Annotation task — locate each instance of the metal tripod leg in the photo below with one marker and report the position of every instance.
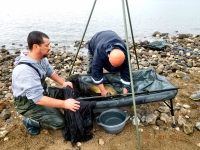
(82, 38)
(131, 77)
(127, 7)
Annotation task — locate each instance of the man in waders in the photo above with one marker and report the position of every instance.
(38, 104)
(107, 50)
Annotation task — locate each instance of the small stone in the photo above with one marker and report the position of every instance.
(177, 129)
(78, 144)
(3, 133)
(166, 117)
(159, 122)
(188, 128)
(186, 78)
(151, 118)
(197, 126)
(186, 106)
(192, 117)
(2, 106)
(186, 116)
(163, 119)
(9, 120)
(155, 127)
(178, 104)
(164, 109)
(5, 114)
(134, 120)
(181, 121)
(141, 130)
(101, 142)
(180, 74)
(5, 139)
(198, 144)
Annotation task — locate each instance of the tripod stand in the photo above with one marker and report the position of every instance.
(127, 45)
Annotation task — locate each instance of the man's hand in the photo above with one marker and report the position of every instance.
(71, 104)
(104, 93)
(60, 81)
(125, 91)
(102, 90)
(67, 84)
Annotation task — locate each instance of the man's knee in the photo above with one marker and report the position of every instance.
(53, 123)
(49, 118)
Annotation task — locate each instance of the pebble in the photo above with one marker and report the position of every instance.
(188, 128)
(78, 144)
(164, 109)
(177, 129)
(2, 106)
(186, 106)
(134, 121)
(141, 130)
(181, 121)
(198, 144)
(101, 142)
(159, 122)
(198, 126)
(5, 139)
(151, 118)
(155, 127)
(5, 114)
(3, 133)
(186, 78)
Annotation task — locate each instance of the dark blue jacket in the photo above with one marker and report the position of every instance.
(99, 46)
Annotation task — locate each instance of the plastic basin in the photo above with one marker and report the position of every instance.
(113, 120)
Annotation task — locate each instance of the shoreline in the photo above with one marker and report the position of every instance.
(69, 46)
(165, 61)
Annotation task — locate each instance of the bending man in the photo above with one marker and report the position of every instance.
(107, 50)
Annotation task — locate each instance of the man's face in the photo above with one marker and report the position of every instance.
(44, 48)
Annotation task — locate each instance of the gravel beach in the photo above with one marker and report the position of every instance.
(178, 62)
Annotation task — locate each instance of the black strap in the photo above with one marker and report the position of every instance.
(30, 66)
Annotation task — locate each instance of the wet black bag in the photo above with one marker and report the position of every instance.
(78, 124)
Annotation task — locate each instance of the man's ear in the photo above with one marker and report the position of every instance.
(108, 55)
(35, 46)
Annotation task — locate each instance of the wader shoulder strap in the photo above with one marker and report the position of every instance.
(30, 66)
(44, 84)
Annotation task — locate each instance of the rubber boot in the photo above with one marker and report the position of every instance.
(32, 126)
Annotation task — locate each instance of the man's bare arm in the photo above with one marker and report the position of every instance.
(70, 103)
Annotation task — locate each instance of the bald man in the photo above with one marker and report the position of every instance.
(107, 50)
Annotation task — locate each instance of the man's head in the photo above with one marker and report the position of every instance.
(116, 57)
(39, 41)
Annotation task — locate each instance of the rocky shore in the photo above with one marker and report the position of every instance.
(169, 62)
(164, 61)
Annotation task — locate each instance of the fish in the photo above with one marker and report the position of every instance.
(95, 89)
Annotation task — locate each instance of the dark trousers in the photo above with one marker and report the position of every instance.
(49, 118)
(89, 62)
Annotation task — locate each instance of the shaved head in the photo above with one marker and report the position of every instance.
(116, 57)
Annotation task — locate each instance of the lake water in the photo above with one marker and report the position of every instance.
(65, 20)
